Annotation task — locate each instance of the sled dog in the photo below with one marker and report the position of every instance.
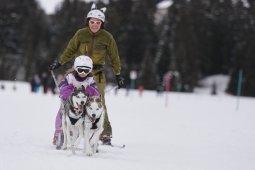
(73, 118)
(93, 124)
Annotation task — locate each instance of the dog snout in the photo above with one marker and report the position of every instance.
(93, 115)
(82, 102)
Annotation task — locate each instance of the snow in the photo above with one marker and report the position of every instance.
(246, 3)
(220, 81)
(194, 132)
(49, 5)
(164, 4)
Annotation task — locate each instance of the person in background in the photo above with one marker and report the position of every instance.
(97, 43)
(44, 82)
(35, 83)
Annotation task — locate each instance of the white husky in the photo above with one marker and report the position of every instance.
(73, 118)
(93, 124)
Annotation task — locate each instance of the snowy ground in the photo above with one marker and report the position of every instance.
(194, 132)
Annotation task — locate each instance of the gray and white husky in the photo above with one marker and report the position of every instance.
(93, 124)
(73, 117)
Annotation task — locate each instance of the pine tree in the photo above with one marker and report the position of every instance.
(22, 29)
(69, 17)
(135, 33)
(243, 51)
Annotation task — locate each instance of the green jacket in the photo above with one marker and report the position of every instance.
(97, 46)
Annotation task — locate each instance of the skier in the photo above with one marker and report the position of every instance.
(97, 43)
(78, 76)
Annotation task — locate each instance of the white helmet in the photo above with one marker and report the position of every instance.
(96, 13)
(83, 61)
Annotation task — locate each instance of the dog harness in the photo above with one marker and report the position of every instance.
(94, 121)
(73, 120)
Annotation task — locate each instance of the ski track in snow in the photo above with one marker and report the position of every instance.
(194, 132)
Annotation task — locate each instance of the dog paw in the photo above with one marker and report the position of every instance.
(95, 149)
(89, 153)
(58, 147)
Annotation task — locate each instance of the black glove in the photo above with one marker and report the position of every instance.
(120, 81)
(54, 65)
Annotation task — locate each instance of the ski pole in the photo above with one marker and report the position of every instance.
(112, 88)
(55, 80)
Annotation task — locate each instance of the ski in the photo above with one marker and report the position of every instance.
(114, 145)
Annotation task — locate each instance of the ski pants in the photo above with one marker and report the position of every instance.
(58, 121)
(101, 82)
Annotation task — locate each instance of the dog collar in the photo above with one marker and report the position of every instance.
(94, 121)
(94, 125)
(73, 120)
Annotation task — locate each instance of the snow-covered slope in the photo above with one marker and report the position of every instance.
(195, 132)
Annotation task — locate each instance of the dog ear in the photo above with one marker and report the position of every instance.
(88, 101)
(83, 88)
(98, 99)
(74, 90)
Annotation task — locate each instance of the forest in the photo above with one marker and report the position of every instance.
(192, 39)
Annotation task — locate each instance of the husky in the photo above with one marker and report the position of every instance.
(93, 124)
(73, 118)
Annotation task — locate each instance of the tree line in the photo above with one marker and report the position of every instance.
(196, 39)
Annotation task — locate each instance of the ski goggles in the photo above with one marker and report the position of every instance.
(95, 22)
(85, 70)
